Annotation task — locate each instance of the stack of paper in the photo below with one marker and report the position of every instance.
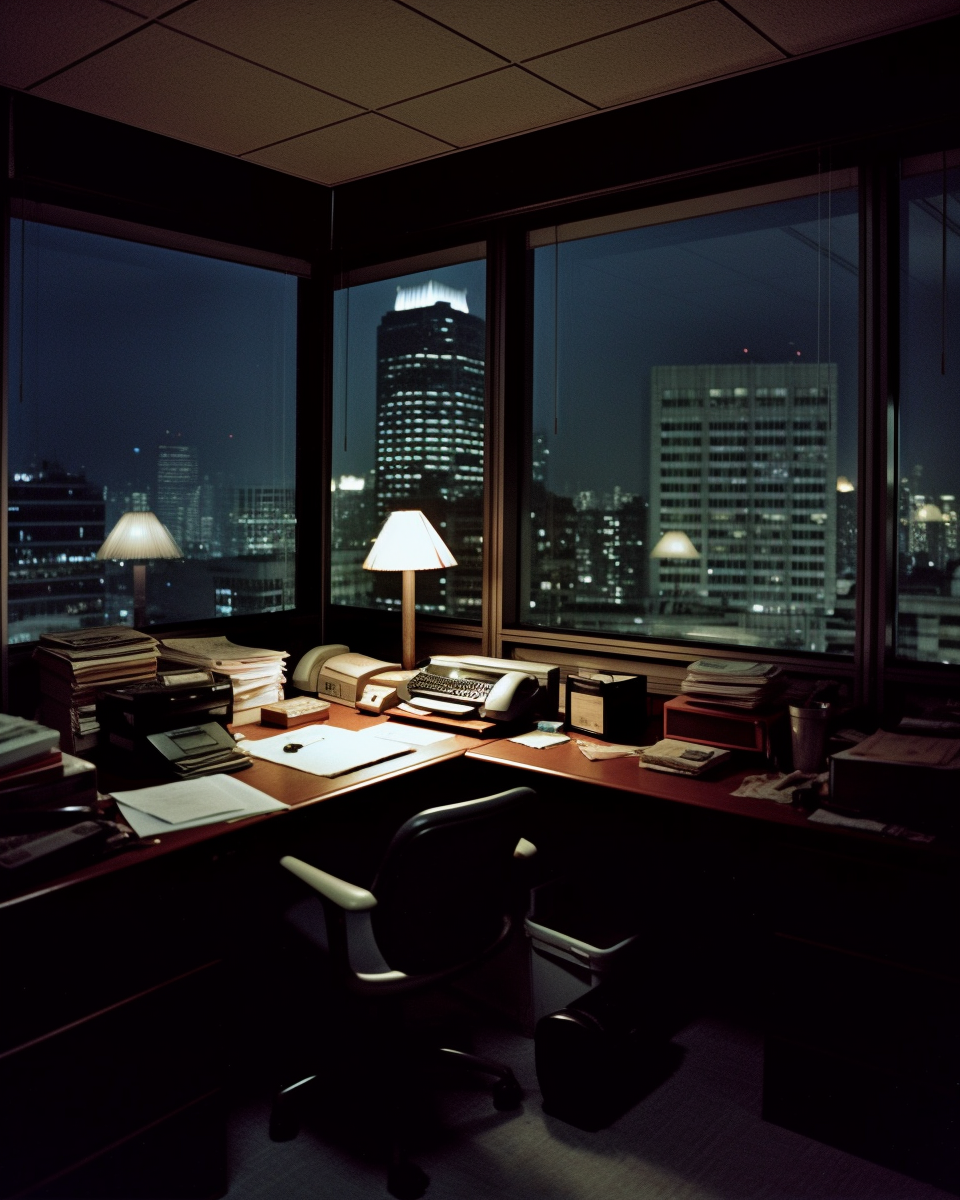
(726, 683)
(329, 751)
(191, 802)
(257, 675)
(76, 665)
(681, 758)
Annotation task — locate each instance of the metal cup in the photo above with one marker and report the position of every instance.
(808, 736)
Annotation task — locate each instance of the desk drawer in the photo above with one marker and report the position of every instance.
(81, 1089)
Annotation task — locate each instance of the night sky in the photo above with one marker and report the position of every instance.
(127, 346)
(691, 292)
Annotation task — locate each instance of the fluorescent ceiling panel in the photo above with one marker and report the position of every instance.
(360, 147)
(672, 52)
(371, 52)
(173, 85)
(519, 29)
(493, 106)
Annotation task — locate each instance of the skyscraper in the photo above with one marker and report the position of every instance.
(430, 414)
(743, 460)
(178, 494)
(56, 527)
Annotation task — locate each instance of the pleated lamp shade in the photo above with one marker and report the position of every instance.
(408, 542)
(139, 535)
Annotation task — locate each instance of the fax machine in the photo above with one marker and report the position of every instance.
(452, 687)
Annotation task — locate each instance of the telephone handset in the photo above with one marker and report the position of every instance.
(333, 673)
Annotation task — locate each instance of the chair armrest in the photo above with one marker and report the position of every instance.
(345, 895)
(524, 849)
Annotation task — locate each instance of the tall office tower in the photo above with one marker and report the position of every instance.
(178, 495)
(743, 460)
(430, 402)
(846, 535)
(56, 527)
(267, 521)
(948, 507)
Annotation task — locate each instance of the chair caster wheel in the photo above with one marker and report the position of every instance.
(284, 1123)
(406, 1181)
(506, 1095)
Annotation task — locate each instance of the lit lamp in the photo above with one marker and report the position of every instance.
(675, 547)
(408, 542)
(136, 537)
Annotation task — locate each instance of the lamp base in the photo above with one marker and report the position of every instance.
(408, 608)
(139, 595)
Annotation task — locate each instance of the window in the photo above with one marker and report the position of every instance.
(695, 374)
(144, 378)
(928, 591)
(408, 430)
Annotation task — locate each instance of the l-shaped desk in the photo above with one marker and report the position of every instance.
(109, 1073)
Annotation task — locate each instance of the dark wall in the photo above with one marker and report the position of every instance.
(71, 158)
(899, 93)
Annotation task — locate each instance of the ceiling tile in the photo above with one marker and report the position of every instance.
(173, 85)
(42, 36)
(520, 30)
(146, 8)
(676, 51)
(814, 24)
(493, 106)
(360, 147)
(372, 52)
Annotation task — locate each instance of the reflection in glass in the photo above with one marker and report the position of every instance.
(928, 593)
(699, 377)
(146, 379)
(408, 431)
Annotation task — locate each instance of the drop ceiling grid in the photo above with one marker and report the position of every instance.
(352, 87)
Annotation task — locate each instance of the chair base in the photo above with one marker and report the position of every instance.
(405, 1180)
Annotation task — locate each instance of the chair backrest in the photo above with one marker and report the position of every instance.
(443, 889)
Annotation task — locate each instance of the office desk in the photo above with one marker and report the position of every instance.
(122, 993)
(851, 940)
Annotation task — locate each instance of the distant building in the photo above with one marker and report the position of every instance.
(266, 520)
(178, 495)
(431, 355)
(56, 527)
(743, 460)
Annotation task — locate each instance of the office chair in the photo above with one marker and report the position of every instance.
(440, 903)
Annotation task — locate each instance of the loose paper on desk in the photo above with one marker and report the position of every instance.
(191, 802)
(539, 740)
(325, 750)
(909, 748)
(407, 735)
(596, 753)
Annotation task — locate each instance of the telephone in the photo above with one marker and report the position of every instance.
(453, 689)
(333, 673)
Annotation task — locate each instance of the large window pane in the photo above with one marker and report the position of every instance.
(928, 608)
(147, 379)
(408, 430)
(698, 378)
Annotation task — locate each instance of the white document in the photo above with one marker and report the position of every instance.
(191, 802)
(408, 735)
(538, 739)
(325, 750)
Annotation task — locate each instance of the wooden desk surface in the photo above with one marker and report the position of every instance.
(626, 775)
(292, 787)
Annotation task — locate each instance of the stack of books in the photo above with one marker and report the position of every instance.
(257, 675)
(78, 664)
(33, 771)
(726, 683)
(681, 758)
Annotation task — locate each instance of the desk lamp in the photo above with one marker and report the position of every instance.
(675, 547)
(138, 536)
(408, 543)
